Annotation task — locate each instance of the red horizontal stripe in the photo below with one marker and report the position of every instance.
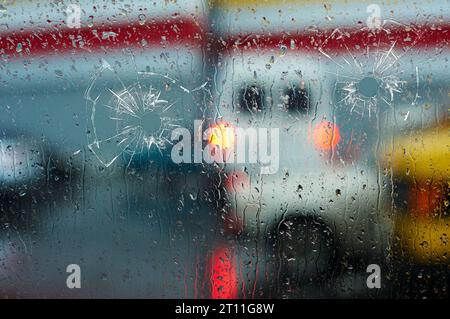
(102, 38)
(190, 33)
(419, 37)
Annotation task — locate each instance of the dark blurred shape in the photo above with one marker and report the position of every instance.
(32, 174)
(251, 98)
(298, 99)
(305, 252)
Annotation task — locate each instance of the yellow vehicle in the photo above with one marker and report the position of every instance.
(421, 163)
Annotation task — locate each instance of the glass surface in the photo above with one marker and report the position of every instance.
(224, 149)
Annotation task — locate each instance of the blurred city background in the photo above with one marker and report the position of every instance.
(92, 91)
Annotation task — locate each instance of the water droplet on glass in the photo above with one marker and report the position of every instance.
(141, 19)
(292, 44)
(90, 21)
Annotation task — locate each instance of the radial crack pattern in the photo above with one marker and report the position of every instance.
(371, 79)
(131, 119)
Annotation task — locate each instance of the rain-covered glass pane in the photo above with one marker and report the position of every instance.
(224, 149)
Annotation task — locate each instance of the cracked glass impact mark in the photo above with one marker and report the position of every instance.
(132, 114)
(373, 79)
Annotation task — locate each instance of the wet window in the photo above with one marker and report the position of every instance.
(224, 149)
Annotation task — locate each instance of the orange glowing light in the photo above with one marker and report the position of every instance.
(424, 202)
(326, 135)
(222, 135)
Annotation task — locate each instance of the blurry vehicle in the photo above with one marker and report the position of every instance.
(326, 77)
(420, 166)
(421, 162)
